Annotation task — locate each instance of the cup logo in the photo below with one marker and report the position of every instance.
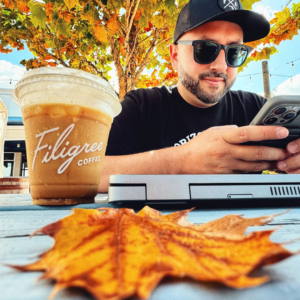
(53, 153)
(229, 5)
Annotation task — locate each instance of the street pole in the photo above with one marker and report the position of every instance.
(266, 76)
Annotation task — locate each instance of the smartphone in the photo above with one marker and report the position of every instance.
(279, 111)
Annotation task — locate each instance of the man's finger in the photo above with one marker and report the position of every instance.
(247, 167)
(218, 128)
(259, 153)
(294, 147)
(254, 133)
(290, 164)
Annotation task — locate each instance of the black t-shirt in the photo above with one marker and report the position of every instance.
(156, 118)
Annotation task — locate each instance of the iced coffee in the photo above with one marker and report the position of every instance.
(67, 125)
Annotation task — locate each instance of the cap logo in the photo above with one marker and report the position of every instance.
(229, 5)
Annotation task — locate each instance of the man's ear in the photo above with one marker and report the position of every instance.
(174, 56)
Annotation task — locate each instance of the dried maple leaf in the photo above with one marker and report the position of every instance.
(115, 253)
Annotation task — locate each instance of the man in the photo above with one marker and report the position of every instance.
(198, 127)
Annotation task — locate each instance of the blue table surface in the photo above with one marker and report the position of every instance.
(19, 218)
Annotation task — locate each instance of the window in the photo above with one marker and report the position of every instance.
(24, 169)
(9, 156)
(8, 168)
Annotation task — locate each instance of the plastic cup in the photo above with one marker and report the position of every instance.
(67, 115)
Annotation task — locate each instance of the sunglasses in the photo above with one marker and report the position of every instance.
(205, 52)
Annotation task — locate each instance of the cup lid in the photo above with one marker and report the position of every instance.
(69, 72)
(55, 78)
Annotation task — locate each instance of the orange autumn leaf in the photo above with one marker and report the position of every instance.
(23, 7)
(121, 42)
(138, 14)
(9, 4)
(116, 254)
(2, 50)
(101, 34)
(147, 29)
(48, 57)
(153, 74)
(112, 25)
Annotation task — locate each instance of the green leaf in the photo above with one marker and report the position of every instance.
(85, 48)
(68, 56)
(143, 22)
(94, 14)
(296, 8)
(108, 68)
(247, 4)
(50, 43)
(38, 15)
(283, 15)
(265, 53)
(6, 12)
(170, 3)
(23, 62)
(158, 21)
(71, 3)
(62, 27)
(13, 33)
(81, 28)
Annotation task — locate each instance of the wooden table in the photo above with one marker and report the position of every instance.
(18, 219)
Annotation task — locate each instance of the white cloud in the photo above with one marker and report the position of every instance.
(289, 87)
(10, 73)
(266, 11)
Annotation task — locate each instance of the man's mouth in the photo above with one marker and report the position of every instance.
(214, 81)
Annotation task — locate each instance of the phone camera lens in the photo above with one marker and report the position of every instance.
(279, 110)
(271, 121)
(290, 116)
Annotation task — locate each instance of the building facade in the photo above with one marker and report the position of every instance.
(15, 160)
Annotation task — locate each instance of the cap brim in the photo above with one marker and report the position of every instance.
(254, 25)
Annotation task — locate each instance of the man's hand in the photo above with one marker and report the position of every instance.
(218, 150)
(292, 163)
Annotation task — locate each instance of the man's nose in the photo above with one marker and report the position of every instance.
(219, 64)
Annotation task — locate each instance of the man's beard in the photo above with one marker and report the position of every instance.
(193, 86)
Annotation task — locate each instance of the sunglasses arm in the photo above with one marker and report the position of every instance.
(185, 42)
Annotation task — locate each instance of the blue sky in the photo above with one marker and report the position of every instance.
(288, 51)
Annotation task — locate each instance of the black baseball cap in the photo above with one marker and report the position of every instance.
(199, 12)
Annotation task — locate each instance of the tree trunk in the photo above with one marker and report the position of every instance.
(122, 90)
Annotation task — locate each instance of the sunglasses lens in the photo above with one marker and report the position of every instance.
(206, 52)
(237, 55)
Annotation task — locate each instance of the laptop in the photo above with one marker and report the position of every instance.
(197, 189)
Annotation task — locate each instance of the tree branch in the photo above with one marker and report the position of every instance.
(148, 37)
(144, 62)
(147, 56)
(56, 58)
(142, 67)
(96, 69)
(130, 24)
(128, 57)
(128, 14)
(145, 39)
(116, 57)
(164, 40)
(57, 48)
(109, 14)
